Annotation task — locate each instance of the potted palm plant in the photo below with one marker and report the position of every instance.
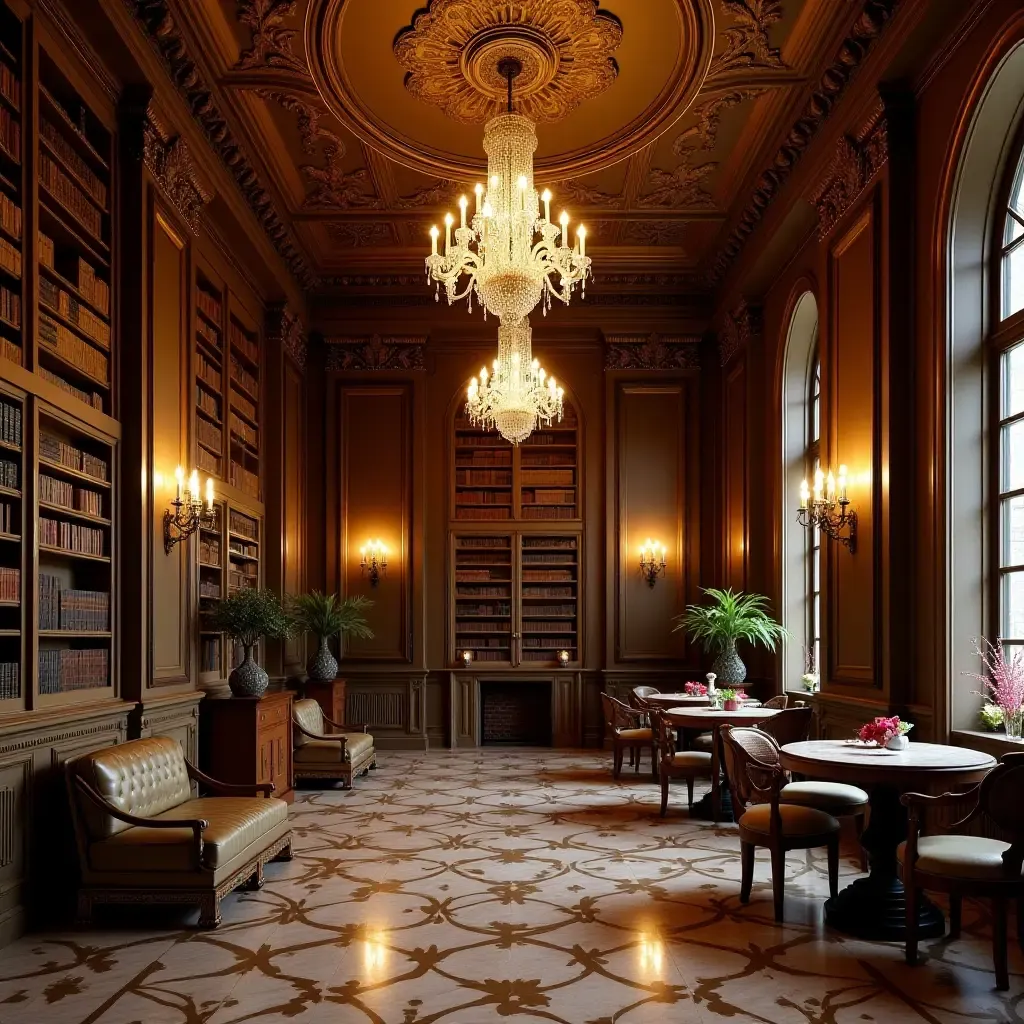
(326, 615)
(248, 616)
(727, 617)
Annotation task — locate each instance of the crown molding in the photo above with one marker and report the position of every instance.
(347, 354)
(652, 352)
(168, 159)
(285, 326)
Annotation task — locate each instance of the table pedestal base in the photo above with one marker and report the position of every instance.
(703, 809)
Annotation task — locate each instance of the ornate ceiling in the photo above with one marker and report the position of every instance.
(664, 124)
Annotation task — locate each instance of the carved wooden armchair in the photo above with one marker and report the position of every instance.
(677, 764)
(342, 754)
(626, 730)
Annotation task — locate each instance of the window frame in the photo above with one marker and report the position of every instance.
(812, 459)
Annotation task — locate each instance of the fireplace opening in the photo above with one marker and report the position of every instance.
(515, 713)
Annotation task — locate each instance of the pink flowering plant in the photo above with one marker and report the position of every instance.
(695, 690)
(1003, 677)
(882, 729)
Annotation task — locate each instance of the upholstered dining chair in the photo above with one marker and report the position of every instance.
(756, 774)
(781, 702)
(626, 732)
(969, 865)
(318, 754)
(677, 764)
(644, 691)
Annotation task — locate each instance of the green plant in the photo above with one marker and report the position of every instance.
(726, 694)
(991, 716)
(250, 614)
(730, 616)
(325, 615)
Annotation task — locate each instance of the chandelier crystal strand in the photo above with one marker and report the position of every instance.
(517, 396)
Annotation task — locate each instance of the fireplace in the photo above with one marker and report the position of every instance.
(515, 713)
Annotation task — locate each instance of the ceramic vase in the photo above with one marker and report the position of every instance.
(897, 743)
(248, 679)
(323, 666)
(728, 666)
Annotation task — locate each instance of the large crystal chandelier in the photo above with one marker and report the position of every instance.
(518, 395)
(499, 251)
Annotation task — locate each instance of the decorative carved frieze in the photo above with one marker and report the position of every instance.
(653, 232)
(874, 17)
(652, 352)
(578, 192)
(347, 354)
(271, 40)
(737, 330)
(283, 325)
(450, 53)
(306, 114)
(858, 158)
(747, 38)
(681, 187)
(168, 160)
(441, 193)
(357, 234)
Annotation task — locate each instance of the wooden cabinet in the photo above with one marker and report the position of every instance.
(246, 740)
(330, 696)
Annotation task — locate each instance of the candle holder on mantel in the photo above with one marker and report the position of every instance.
(829, 508)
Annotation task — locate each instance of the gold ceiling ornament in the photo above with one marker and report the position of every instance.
(452, 50)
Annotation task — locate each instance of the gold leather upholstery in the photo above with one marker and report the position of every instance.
(328, 750)
(690, 758)
(832, 797)
(307, 713)
(635, 734)
(958, 856)
(796, 820)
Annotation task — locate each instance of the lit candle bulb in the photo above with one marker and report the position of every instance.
(662, 554)
(463, 202)
(842, 483)
(448, 221)
(805, 493)
(546, 196)
(433, 240)
(564, 221)
(179, 477)
(830, 489)
(819, 483)
(209, 493)
(193, 486)
(581, 234)
(479, 190)
(483, 374)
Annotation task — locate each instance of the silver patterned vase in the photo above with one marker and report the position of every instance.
(323, 666)
(248, 679)
(729, 667)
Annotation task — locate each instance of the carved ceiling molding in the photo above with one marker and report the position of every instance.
(169, 161)
(375, 352)
(857, 160)
(737, 330)
(747, 45)
(285, 326)
(271, 41)
(580, 193)
(652, 352)
(653, 232)
(442, 193)
(451, 50)
(157, 20)
(358, 234)
(874, 17)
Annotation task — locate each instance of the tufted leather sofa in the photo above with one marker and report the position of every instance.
(319, 754)
(143, 838)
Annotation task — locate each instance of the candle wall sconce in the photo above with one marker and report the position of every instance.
(373, 561)
(652, 561)
(467, 658)
(189, 511)
(828, 508)
(564, 658)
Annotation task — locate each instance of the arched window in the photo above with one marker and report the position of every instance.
(812, 461)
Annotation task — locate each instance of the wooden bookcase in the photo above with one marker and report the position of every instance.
(244, 407)
(58, 433)
(209, 382)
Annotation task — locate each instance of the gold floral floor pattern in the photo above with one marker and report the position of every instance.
(478, 886)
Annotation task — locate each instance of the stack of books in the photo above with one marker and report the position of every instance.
(82, 540)
(10, 423)
(60, 671)
(10, 680)
(72, 349)
(90, 398)
(67, 193)
(10, 216)
(9, 474)
(10, 584)
(85, 610)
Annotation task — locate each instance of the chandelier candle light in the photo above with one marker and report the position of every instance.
(189, 512)
(829, 508)
(373, 561)
(652, 561)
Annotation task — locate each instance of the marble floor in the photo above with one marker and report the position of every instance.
(470, 887)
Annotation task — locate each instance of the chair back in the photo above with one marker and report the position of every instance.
(1001, 799)
(141, 777)
(789, 726)
(746, 750)
(781, 702)
(664, 733)
(307, 713)
(644, 691)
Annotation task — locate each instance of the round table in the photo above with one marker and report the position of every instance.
(671, 700)
(713, 719)
(874, 907)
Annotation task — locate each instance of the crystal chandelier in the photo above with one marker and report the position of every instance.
(503, 260)
(518, 395)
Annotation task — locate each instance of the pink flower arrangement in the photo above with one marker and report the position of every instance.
(1004, 676)
(695, 690)
(881, 730)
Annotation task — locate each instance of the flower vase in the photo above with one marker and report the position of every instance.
(731, 705)
(323, 666)
(248, 679)
(1012, 721)
(899, 742)
(728, 666)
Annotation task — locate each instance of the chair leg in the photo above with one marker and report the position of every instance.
(617, 762)
(955, 909)
(910, 895)
(778, 881)
(858, 824)
(664, 794)
(654, 760)
(1020, 921)
(833, 867)
(85, 905)
(689, 792)
(747, 861)
(637, 753)
(999, 915)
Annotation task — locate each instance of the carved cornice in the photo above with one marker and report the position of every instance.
(169, 161)
(285, 326)
(376, 352)
(874, 16)
(157, 20)
(857, 160)
(652, 352)
(271, 41)
(738, 328)
(746, 45)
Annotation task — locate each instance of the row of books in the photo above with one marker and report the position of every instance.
(93, 398)
(474, 591)
(10, 423)
(244, 480)
(92, 288)
(476, 512)
(10, 258)
(207, 462)
(10, 584)
(537, 558)
(238, 547)
(209, 655)
(63, 607)
(548, 477)
(547, 575)
(487, 477)
(489, 655)
(550, 512)
(240, 580)
(69, 195)
(483, 542)
(479, 441)
(544, 643)
(209, 434)
(67, 495)
(494, 641)
(244, 526)
(82, 171)
(9, 474)
(562, 459)
(10, 306)
(10, 215)
(209, 588)
(475, 575)
(467, 610)
(69, 307)
(539, 440)
(470, 557)
(484, 459)
(7, 520)
(548, 592)
(242, 376)
(241, 341)
(562, 543)
(244, 406)
(54, 449)
(250, 569)
(83, 540)
(243, 430)
(64, 670)
(71, 348)
(209, 549)
(207, 403)
(207, 371)
(482, 498)
(551, 609)
(10, 84)
(548, 497)
(209, 334)
(10, 680)
(209, 304)
(10, 351)
(10, 134)
(538, 626)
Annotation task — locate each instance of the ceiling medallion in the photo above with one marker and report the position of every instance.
(452, 50)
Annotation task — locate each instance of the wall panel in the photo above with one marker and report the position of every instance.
(734, 473)
(293, 449)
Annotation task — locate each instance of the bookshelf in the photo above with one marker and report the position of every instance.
(209, 374)
(211, 552)
(483, 474)
(483, 597)
(548, 471)
(12, 202)
(12, 547)
(243, 408)
(549, 613)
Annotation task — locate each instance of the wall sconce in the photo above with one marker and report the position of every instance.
(373, 561)
(563, 658)
(652, 561)
(189, 513)
(467, 658)
(829, 508)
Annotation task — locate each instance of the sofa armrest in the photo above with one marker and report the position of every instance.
(198, 825)
(360, 727)
(227, 788)
(320, 735)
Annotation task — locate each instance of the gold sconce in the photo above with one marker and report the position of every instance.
(189, 512)
(652, 561)
(467, 658)
(373, 561)
(828, 508)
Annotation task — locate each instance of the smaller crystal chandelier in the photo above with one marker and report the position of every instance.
(829, 508)
(518, 396)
